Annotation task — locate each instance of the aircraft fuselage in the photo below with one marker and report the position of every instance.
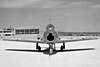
(50, 37)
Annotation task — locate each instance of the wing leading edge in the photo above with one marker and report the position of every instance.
(31, 41)
(61, 41)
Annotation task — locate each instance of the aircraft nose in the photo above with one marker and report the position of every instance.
(50, 37)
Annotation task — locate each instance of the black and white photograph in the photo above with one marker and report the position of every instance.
(49, 33)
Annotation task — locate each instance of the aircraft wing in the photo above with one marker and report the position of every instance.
(31, 41)
(61, 41)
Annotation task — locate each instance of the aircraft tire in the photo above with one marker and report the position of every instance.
(61, 48)
(64, 47)
(39, 48)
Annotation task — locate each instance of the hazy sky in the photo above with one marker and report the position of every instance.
(67, 15)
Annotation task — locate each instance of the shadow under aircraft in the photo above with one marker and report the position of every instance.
(46, 51)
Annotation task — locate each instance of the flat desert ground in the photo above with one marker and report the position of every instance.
(86, 58)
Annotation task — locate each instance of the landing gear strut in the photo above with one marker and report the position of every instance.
(38, 47)
(62, 47)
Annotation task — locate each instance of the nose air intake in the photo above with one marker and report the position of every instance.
(50, 37)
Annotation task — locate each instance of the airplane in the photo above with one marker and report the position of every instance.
(50, 37)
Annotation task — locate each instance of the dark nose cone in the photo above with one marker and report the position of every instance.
(50, 37)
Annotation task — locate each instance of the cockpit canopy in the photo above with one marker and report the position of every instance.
(50, 27)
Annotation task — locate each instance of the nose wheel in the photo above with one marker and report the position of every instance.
(38, 47)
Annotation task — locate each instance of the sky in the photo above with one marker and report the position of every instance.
(66, 15)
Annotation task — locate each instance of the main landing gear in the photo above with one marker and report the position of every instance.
(38, 47)
(62, 47)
